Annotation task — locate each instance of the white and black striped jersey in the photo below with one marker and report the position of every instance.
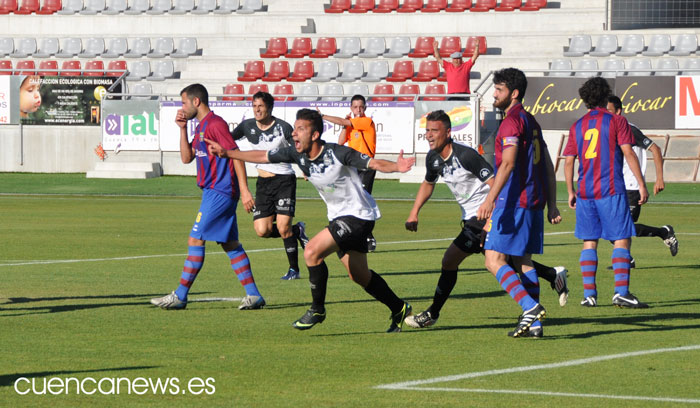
(465, 173)
(277, 136)
(640, 147)
(334, 174)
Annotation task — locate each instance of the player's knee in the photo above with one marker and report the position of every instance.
(263, 231)
(285, 230)
(312, 255)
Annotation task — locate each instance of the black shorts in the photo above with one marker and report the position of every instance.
(367, 177)
(350, 233)
(635, 209)
(471, 239)
(275, 195)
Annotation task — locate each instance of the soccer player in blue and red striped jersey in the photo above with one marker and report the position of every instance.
(222, 181)
(524, 183)
(601, 140)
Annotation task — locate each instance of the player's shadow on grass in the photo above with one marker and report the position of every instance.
(51, 299)
(8, 380)
(413, 250)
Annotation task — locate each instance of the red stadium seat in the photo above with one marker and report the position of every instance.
(325, 46)
(233, 89)
(276, 47)
(90, 66)
(362, 6)
(471, 45)
(403, 70)
(117, 67)
(301, 47)
(458, 6)
(25, 67)
(73, 65)
(533, 5)
(28, 7)
(8, 6)
(509, 5)
(383, 89)
(410, 6)
(408, 89)
(253, 71)
(483, 5)
(339, 6)
(424, 47)
(5, 67)
(427, 71)
(303, 70)
(255, 88)
(50, 68)
(448, 45)
(434, 6)
(283, 89)
(279, 70)
(386, 6)
(432, 89)
(50, 7)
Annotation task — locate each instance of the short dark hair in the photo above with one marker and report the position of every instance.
(358, 98)
(267, 99)
(595, 92)
(196, 91)
(312, 116)
(513, 79)
(440, 116)
(617, 102)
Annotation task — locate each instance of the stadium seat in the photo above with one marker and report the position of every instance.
(71, 48)
(586, 68)
(252, 71)
(307, 92)
(434, 6)
(434, 89)
(233, 89)
(7, 46)
(632, 44)
(50, 7)
(639, 67)
(284, 90)
(28, 7)
(659, 44)
(255, 88)
(47, 48)
(182, 7)
(685, 45)
(483, 5)
(606, 45)
(470, 46)
(303, 70)
(383, 89)
(25, 67)
(534, 5)
(448, 45)
(410, 6)
(5, 67)
(327, 70)
(301, 47)
(352, 71)
(71, 68)
(276, 47)
(138, 7)
(376, 71)
(279, 70)
(114, 7)
(400, 46)
(116, 48)
(94, 68)
(71, 7)
(349, 47)
(325, 47)
(509, 5)
(578, 45)
(408, 89)
(458, 6)
(691, 66)
(339, 6)
(250, 6)
(374, 47)
(204, 7)
(424, 47)
(227, 6)
(116, 68)
(160, 7)
(48, 68)
(185, 47)
(613, 67)
(139, 47)
(163, 47)
(139, 70)
(333, 92)
(666, 64)
(560, 68)
(386, 6)
(140, 88)
(24, 48)
(403, 71)
(8, 6)
(162, 70)
(93, 7)
(94, 47)
(427, 71)
(362, 6)
(357, 89)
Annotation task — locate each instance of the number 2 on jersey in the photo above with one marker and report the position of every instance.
(592, 150)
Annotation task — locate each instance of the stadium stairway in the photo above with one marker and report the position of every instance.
(125, 170)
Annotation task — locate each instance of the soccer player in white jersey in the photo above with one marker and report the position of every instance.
(351, 211)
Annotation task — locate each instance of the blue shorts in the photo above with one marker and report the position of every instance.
(515, 231)
(608, 218)
(216, 219)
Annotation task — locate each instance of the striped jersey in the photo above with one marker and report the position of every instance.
(214, 172)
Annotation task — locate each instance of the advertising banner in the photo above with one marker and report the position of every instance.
(130, 124)
(687, 102)
(461, 115)
(648, 102)
(554, 102)
(5, 109)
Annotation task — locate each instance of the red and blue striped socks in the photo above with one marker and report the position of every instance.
(511, 283)
(241, 265)
(589, 266)
(193, 264)
(621, 266)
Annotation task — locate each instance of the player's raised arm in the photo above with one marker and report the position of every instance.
(252, 156)
(401, 165)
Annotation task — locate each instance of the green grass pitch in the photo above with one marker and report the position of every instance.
(80, 260)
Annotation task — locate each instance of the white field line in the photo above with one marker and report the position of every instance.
(417, 384)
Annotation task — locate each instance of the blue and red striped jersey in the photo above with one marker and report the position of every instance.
(213, 172)
(527, 185)
(596, 139)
